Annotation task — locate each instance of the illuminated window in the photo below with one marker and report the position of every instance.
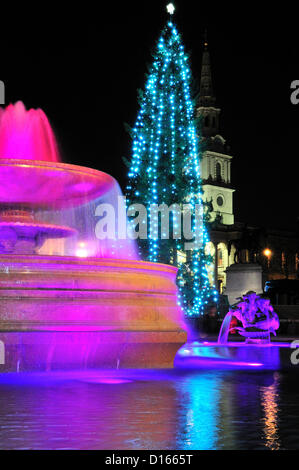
(245, 256)
(283, 261)
(220, 258)
(182, 257)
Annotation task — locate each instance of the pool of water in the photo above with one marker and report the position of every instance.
(144, 409)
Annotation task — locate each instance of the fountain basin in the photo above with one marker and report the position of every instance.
(27, 237)
(43, 184)
(65, 312)
(67, 299)
(235, 355)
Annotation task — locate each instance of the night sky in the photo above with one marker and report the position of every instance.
(84, 72)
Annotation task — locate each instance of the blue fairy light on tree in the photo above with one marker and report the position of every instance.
(165, 170)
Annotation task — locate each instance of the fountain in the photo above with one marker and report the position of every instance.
(258, 321)
(69, 300)
(257, 317)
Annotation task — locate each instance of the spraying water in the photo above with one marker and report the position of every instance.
(26, 134)
(69, 304)
(49, 207)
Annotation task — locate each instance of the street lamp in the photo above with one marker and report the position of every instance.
(268, 253)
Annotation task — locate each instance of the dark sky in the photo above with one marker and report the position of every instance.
(84, 73)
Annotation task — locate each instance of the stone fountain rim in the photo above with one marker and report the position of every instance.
(53, 165)
(15, 259)
(34, 193)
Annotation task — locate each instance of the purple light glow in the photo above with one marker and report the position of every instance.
(271, 356)
(49, 207)
(26, 134)
(105, 380)
(73, 300)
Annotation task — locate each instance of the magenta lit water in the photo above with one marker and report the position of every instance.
(26, 134)
(58, 194)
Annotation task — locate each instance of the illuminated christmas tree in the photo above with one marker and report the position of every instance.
(165, 169)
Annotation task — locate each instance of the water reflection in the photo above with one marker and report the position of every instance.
(225, 410)
(198, 411)
(269, 400)
(146, 410)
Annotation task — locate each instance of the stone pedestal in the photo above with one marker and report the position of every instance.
(241, 278)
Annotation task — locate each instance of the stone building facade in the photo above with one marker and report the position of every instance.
(231, 241)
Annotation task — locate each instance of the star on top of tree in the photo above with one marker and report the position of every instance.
(170, 8)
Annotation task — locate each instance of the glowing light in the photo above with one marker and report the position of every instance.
(267, 252)
(170, 8)
(106, 380)
(165, 167)
(269, 402)
(26, 134)
(82, 251)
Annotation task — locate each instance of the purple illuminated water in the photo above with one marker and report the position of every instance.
(54, 194)
(26, 135)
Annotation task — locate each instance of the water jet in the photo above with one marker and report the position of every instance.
(69, 300)
(257, 321)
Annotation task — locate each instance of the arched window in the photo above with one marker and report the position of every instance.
(218, 171)
(283, 261)
(245, 256)
(220, 258)
(207, 121)
(214, 122)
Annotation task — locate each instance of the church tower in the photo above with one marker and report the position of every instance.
(216, 163)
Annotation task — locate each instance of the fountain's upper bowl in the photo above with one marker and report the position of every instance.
(50, 185)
